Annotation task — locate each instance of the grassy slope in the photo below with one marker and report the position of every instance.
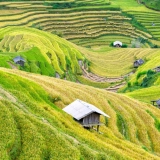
(152, 61)
(35, 128)
(45, 53)
(151, 92)
(146, 94)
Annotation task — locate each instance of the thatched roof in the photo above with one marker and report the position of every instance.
(139, 61)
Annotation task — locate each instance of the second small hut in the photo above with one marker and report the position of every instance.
(138, 63)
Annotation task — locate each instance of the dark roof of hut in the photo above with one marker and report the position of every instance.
(158, 102)
(139, 61)
(80, 109)
(18, 58)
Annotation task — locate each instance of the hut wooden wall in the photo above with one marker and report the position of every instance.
(93, 118)
(21, 63)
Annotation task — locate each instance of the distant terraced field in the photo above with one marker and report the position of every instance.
(115, 62)
(86, 23)
(146, 94)
(152, 61)
(151, 21)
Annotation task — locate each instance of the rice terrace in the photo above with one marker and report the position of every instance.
(80, 80)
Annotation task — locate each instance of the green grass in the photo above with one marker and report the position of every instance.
(122, 126)
(157, 121)
(152, 61)
(155, 4)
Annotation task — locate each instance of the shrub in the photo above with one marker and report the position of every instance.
(129, 84)
(157, 121)
(111, 44)
(139, 74)
(150, 73)
(122, 125)
(135, 83)
(124, 45)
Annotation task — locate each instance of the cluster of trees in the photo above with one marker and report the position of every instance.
(63, 5)
(153, 4)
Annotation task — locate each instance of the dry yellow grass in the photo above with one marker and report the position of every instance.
(140, 128)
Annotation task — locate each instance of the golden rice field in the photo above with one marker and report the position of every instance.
(35, 127)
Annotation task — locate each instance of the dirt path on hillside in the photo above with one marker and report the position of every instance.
(120, 80)
(12, 66)
(93, 77)
(116, 87)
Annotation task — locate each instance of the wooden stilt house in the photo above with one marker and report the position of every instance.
(86, 114)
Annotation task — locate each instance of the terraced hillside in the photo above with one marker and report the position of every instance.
(53, 56)
(33, 124)
(35, 127)
(151, 21)
(44, 53)
(86, 23)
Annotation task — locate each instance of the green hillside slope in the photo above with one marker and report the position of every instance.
(146, 94)
(155, 4)
(44, 53)
(35, 127)
(145, 75)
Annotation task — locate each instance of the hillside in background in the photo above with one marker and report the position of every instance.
(44, 53)
(68, 53)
